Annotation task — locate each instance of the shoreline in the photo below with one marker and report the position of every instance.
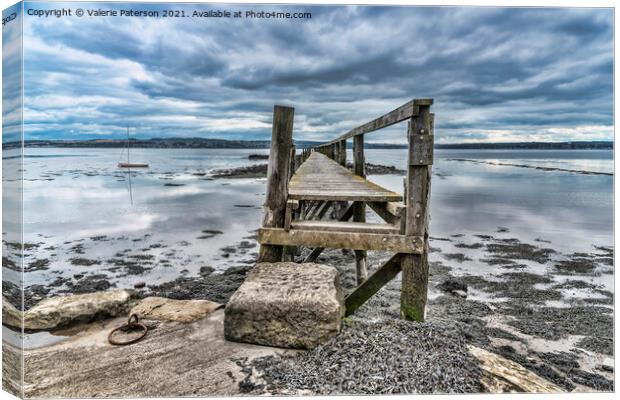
(549, 311)
(529, 318)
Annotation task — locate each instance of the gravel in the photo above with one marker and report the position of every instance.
(515, 250)
(385, 357)
(452, 286)
(558, 323)
(595, 381)
(602, 345)
(576, 265)
(209, 286)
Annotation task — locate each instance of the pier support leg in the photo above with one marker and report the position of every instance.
(278, 172)
(288, 253)
(415, 267)
(359, 211)
(342, 153)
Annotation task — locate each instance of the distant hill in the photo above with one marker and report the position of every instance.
(531, 146)
(177, 143)
(200, 143)
(158, 143)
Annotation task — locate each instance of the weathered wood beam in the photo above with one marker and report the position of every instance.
(359, 212)
(414, 289)
(320, 210)
(390, 212)
(338, 226)
(316, 252)
(293, 163)
(324, 208)
(342, 153)
(291, 206)
(373, 284)
(310, 206)
(278, 171)
(347, 214)
(301, 194)
(303, 209)
(312, 212)
(342, 240)
(395, 208)
(400, 114)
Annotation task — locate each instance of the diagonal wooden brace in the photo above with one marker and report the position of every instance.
(373, 284)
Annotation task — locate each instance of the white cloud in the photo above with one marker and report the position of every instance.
(496, 74)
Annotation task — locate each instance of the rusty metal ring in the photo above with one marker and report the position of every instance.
(131, 324)
(132, 317)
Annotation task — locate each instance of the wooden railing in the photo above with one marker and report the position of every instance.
(410, 216)
(336, 148)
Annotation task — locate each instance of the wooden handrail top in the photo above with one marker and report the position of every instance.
(400, 114)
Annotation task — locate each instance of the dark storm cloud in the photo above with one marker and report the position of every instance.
(495, 73)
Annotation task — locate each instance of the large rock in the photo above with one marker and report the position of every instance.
(11, 316)
(286, 305)
(163, 309)
(62, 311)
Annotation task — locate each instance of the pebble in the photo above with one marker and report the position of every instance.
(386, 357)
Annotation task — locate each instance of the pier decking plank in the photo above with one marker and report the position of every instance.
(321, 178)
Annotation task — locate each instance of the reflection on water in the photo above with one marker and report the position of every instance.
(78, 207)
(30, 340)
(573, 211)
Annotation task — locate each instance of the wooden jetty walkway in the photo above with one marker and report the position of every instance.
(314, 200)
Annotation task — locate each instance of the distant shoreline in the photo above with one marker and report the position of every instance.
(199, 143)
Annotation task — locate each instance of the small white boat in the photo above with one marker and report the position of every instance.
(128, 164)
(132, 165)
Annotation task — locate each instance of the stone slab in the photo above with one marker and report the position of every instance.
(286, 305)
(163, 309)
(173, 360)
(62, 311)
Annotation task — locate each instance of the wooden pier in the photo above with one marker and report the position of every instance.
(314, 200)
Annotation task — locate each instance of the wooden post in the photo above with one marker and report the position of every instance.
(277, 178)
(359, 210)
(415, 267)
(359, 161)
(288, 252)
(292, 165)
(342, 153)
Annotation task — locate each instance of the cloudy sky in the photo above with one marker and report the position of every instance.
(496, 74)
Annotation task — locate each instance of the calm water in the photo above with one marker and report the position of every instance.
(571, 210)
(78, 197)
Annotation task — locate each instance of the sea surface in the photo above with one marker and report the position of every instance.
(78, 204)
